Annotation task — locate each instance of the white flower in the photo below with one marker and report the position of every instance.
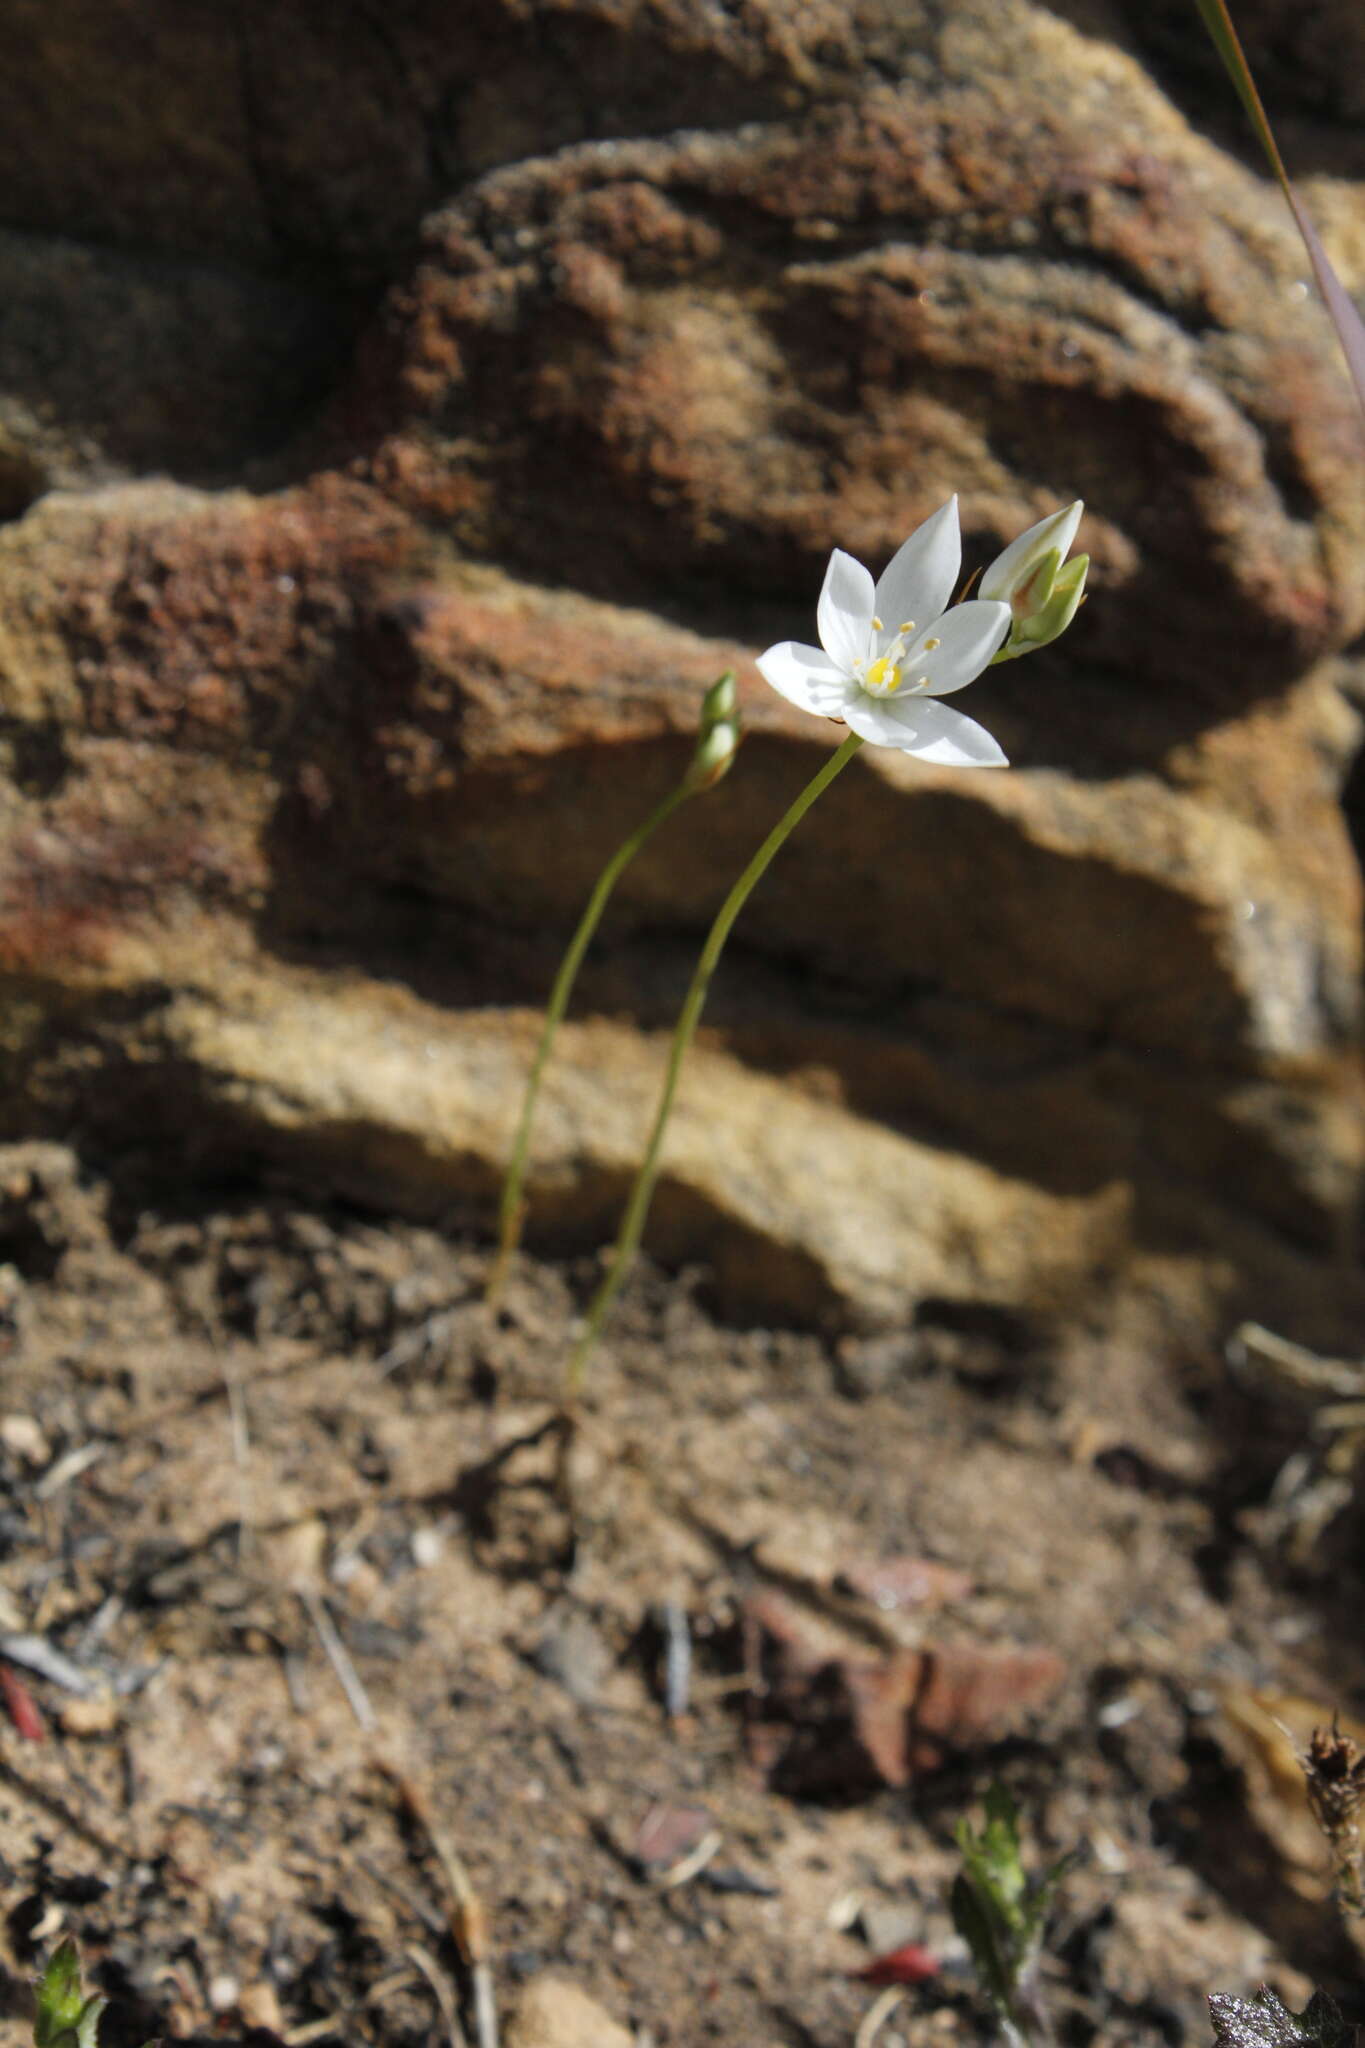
(887, 653)
(1033, 577)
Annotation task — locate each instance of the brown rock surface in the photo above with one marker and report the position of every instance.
(303, 785)
(1309, 59)
(114, 362)
(745, 344)
(291, 135)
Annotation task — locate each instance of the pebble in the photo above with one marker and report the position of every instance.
(553, 2012)
(97, 1716)
(259, 2006)
(571, 1651)
(21, 1435)
(886, 1926)
(224, 1994)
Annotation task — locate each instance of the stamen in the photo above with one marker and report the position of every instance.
(882, 677)
(877, 623)
(930, 645)
(907, 626)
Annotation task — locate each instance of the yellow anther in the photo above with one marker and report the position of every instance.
(877, 624)
(930, 645)
(907, 626)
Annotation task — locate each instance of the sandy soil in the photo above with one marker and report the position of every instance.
(238, 1432)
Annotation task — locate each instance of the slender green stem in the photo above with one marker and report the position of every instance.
(637, 1208)
(512, 1207)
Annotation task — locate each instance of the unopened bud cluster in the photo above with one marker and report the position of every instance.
(1041, 587)
(717, 734)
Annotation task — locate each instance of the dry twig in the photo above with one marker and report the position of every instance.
(877, 2015)
(35, 1653)
(338, 1656)
(442, 1991)
(468, 1923)
(68, 1468)
(335, 2023)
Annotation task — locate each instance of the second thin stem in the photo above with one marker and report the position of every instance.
(637, 1208)
(512, 1206)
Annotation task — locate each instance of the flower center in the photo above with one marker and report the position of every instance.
(882, 676)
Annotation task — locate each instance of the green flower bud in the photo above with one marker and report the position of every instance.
(1055, 613)
(715, 751)
(1034, 578)
(721, 701)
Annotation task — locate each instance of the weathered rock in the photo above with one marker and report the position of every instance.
(301, 738)
(212, 196)
(797, 1204)
(288, 135)
(303, 704)
(297, 806)
(113, 363)
(745, 345)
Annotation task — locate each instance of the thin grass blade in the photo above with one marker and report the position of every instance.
(1347, 321)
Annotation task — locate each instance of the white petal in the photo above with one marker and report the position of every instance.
(1022, 556)
(873, 719)
(919, 580)
(806, 677)
(844, 615)
(967, 638)
(919, 726)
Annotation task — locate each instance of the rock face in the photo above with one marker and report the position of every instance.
(489, 453)
(746, 343)
(1312, 55)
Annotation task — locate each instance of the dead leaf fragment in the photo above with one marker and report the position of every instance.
(667, 1834)
(837, 1719)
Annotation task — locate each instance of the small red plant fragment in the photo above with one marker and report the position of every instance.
(21, 1707)
(908, 1964)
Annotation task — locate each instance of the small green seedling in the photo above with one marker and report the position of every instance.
(63, 2016)
(1001, 1913)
